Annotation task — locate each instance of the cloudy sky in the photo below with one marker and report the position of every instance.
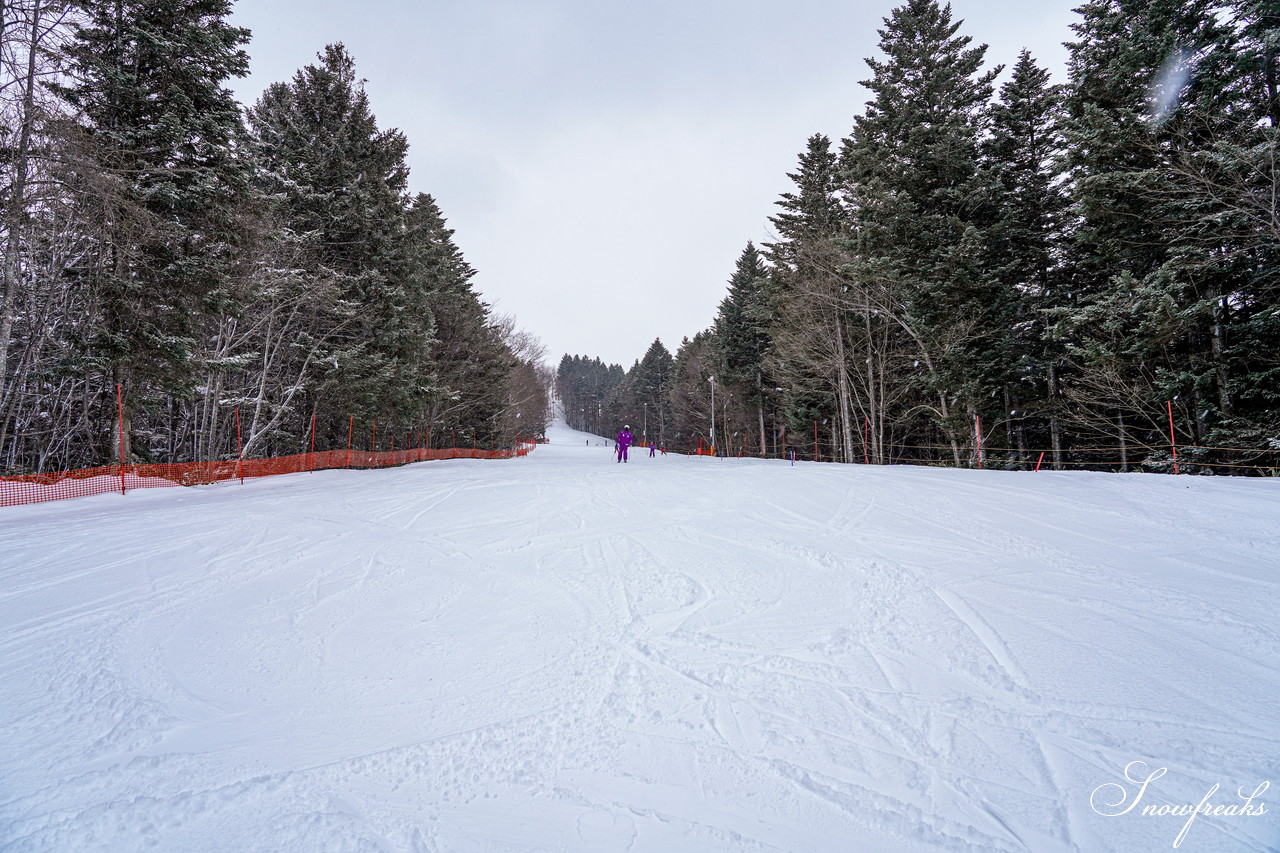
(604, 163)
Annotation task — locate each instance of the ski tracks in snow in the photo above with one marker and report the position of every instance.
(559, 653)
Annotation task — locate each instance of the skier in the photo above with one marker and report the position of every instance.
(653, 450)
(624, 441)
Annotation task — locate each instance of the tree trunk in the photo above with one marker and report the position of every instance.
(842, 378)
(1055, 428)
(16, 211)
(760, 408)
(1124, 443)
(122, 422)
(1008, 424)
(1220, 370)
(874, 389)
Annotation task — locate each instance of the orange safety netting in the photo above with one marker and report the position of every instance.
(57, 485)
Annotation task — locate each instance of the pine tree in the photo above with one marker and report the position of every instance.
(1151, 84)
(586, 387)
(810, 326)
(1240, 173)
(472, 365)
(652, 389)
(1026, 250)
(742, 333)
(340, 183)
(164, 174)
(812, 217)
(922, 203)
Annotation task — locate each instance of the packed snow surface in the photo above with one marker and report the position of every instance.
(565, 653)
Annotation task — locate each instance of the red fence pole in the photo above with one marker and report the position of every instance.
(120, 415)
(311, 457)
(351, 425)
(373, 447)
(1173, 441)
(1041, 459)
(239, 449)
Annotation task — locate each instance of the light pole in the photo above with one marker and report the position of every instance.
(646, 425)
(712, 380)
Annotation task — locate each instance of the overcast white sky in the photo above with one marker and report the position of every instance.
(603, 163)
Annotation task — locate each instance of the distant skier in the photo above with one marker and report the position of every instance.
(653, 450)
(624, 441)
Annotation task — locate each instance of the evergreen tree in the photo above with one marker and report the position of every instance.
(1026, 251)
(922, 203)
(340, 184)
(812, 217)
(473, 367)
(586, 387)
(652, 389)
(1151, 83)
(810, 325)
(1240, 173)
(165, 176)
(742, 333)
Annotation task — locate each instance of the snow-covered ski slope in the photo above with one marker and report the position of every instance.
(564, 653)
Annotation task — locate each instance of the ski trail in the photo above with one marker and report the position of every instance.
(982, 631)
(678, 654)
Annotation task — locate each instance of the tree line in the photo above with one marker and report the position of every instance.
(206, 259)
(983, 273)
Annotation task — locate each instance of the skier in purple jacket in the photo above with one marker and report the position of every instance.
(624, 441)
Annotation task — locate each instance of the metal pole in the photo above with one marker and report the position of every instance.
(712, 380)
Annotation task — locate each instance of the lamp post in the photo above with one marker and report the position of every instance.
(712, 380)
(646, 425)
